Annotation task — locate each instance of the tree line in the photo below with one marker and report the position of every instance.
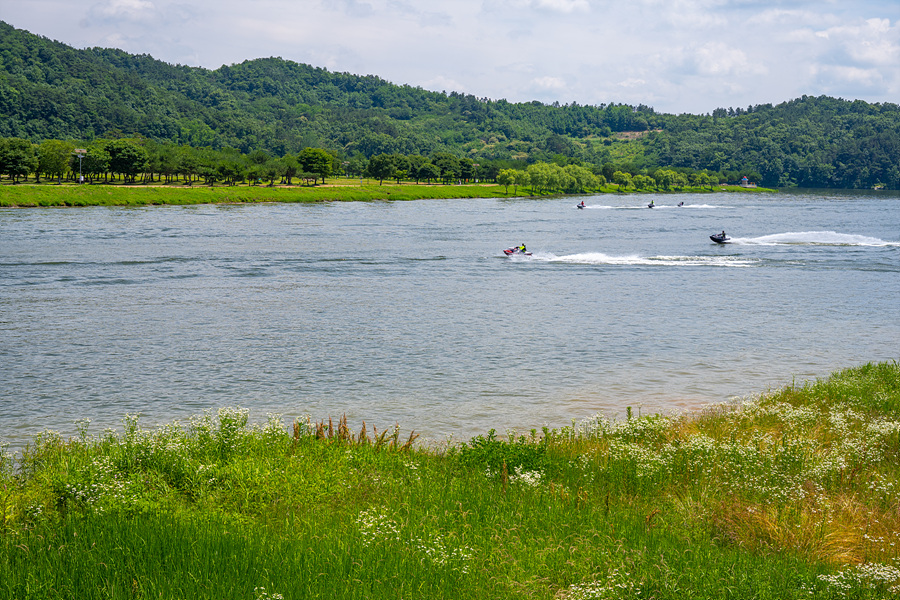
(143, 161)
(139, 160)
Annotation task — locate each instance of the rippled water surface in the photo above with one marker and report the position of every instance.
(410, 313)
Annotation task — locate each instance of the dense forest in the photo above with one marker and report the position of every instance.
(51, 91)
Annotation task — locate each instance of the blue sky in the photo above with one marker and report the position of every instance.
(677, 56)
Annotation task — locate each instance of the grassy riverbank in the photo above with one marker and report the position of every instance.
(793, 494)
(140, 195)
(338, 190)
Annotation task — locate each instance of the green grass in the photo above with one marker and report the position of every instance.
(140, 195)
(338, 190)
(791, 494)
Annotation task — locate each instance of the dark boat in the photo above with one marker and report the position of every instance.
(720, 238)
(581, 205)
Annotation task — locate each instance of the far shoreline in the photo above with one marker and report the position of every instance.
(70, 194)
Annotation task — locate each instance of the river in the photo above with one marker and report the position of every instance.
(409, 313)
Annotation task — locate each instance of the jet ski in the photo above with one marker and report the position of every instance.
(650, 205)
(516, 251)
(720, 238)
(581, 205)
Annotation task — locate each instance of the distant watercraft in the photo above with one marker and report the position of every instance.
(516, 250)
(720, 238)
(580, 204)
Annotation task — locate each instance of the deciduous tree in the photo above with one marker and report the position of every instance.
(381, 167)
(316, 160)
(622, 179)
(17, 158)
(53, 158)
(126, 158)
(506, 177)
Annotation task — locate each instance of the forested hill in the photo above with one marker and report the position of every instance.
(49, 90)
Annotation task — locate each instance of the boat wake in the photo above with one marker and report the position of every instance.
(607, 207)
(655, 206)
(686, 206)
(598, 258)
(813, 238)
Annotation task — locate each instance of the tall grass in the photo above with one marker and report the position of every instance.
(791, 494)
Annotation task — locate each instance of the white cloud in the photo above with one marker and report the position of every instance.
(792, 19)
(516, 9)
(852, 75)
(549, 83)
(873, 42)
(563, 6)
(351, 8)
(631, 83)
(719, 60)
(852, 82)
(128, 10)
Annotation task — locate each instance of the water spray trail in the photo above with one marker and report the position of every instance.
(599, 258)
(813, 238)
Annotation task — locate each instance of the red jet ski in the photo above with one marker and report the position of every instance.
(517, 251)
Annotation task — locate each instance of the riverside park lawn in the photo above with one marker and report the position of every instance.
(141, 195)
(49, 193)
(791, 494)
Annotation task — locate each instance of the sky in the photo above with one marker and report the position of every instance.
(677, 56)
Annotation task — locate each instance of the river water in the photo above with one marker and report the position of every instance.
(409, 312)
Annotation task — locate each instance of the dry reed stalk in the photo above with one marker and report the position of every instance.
(379, 438)
(343, 433)
(363, 439)
(412, 436)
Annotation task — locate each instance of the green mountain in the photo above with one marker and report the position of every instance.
(49, 90)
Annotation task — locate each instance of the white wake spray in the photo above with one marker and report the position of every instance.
(599, 258)
(813, 238)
